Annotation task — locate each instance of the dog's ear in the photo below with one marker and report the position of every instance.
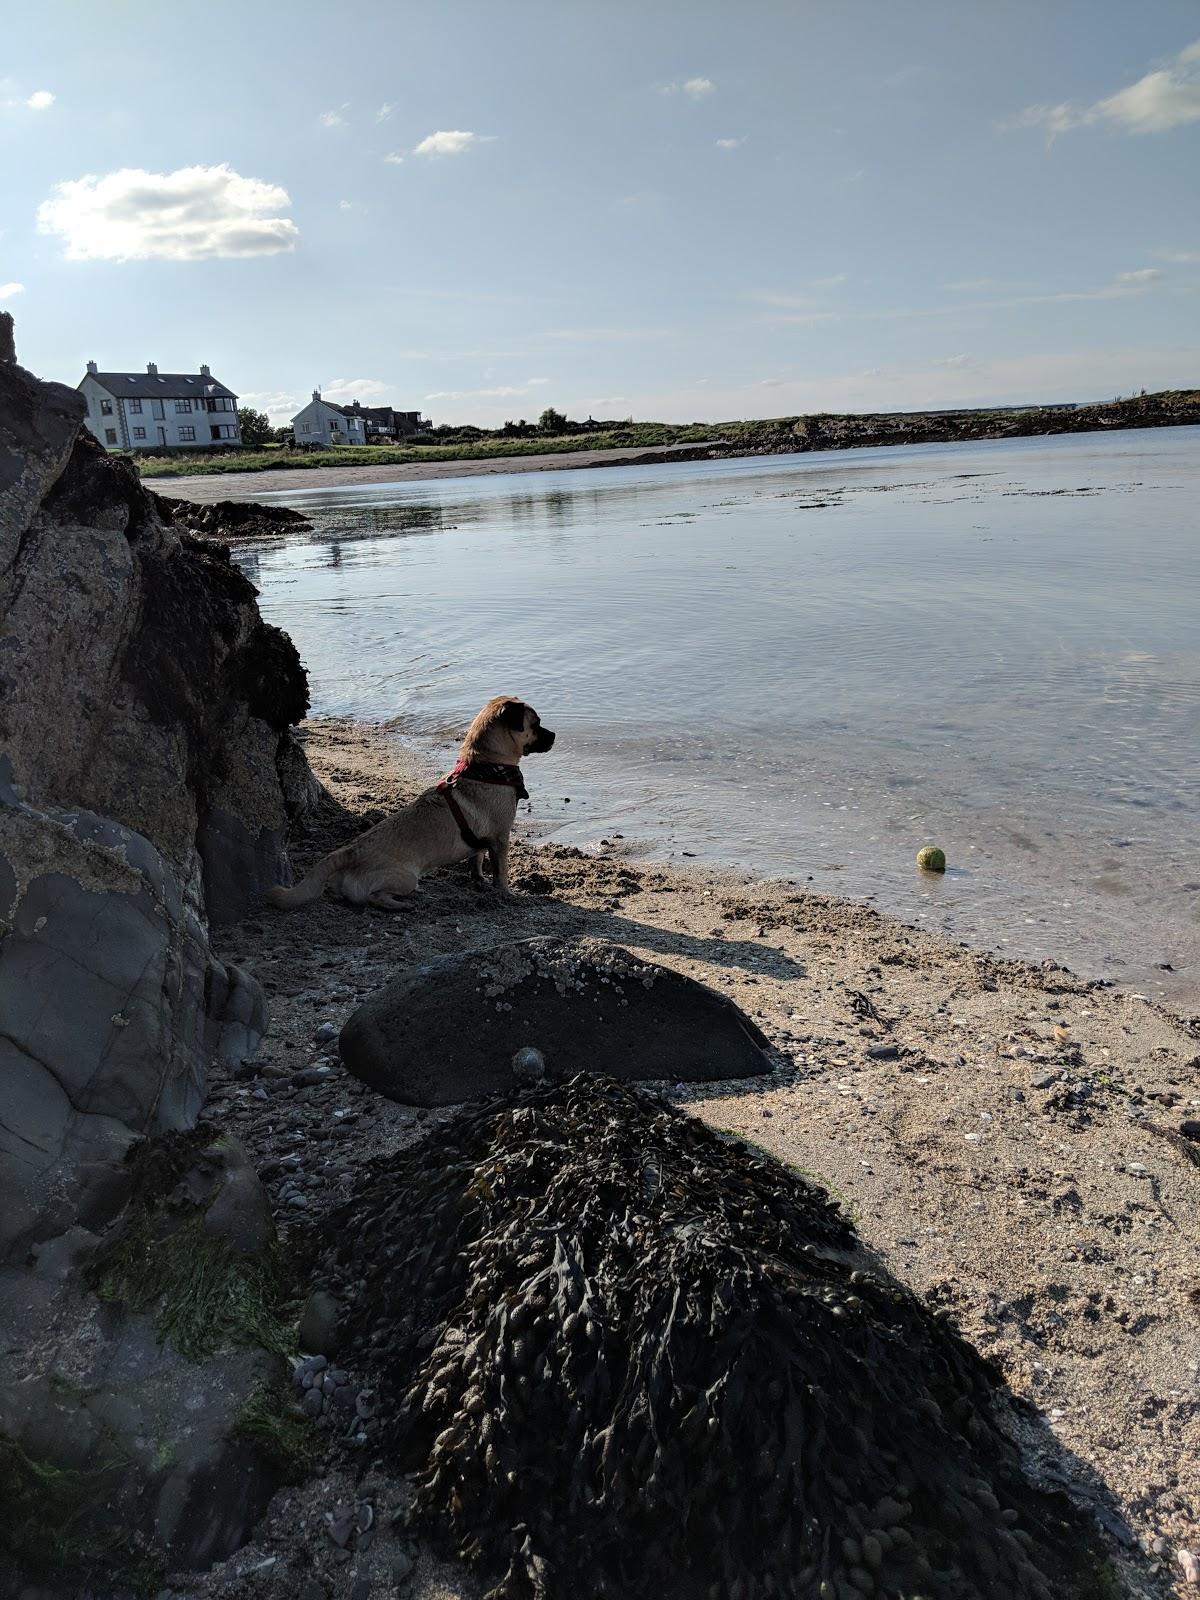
(512, 714)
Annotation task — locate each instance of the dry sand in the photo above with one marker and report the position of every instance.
(1017, 1160)
(252, 485)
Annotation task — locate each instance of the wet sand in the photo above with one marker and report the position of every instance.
(253, 485)
(1007, 1137)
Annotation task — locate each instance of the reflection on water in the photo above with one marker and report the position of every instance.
(812, 665)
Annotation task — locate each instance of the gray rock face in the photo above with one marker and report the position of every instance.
(99, 1397)
(146, 779)
(147, 776)
(112, 1008)
(449, 1031)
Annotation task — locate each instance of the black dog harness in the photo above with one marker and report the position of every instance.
(478, 772)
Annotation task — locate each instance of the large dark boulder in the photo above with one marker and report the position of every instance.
(448, 1031)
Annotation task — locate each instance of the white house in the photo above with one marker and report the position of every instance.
(324, 423)
(155, 410)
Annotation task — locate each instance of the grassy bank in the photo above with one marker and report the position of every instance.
(768, 436)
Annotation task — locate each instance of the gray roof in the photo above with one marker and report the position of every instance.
(166, 386)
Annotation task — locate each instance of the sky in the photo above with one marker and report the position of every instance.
(674, 210)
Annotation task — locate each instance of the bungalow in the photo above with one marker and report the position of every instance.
(156, 410)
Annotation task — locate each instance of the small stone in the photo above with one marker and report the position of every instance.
(360, 1589)
(313, 1403)
(312, 1590)
(326, 1032)
(341, 1526)
(319, 1323)
(528, 1065)
(402, 1568)
(1190, 1129)
(1044, 1080)
(883, 1052)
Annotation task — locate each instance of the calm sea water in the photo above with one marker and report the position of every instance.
(810, 666)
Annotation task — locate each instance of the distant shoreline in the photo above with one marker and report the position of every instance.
(276, 472)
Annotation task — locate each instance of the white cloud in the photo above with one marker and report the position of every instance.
(1123, 286)
(9, 291)
(344, 390)
(1159, 101)
(986, 286)
(694, 88)
(504, 391)
(396, 157)
(278, 404)
(191, 214)
(449, 142)
(332, 119)
(40, 100)
(1182, 257)
(351, 205)
(384, 113)
(605, 335)
(731, 144)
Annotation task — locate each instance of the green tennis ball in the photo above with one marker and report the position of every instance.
(932, 859)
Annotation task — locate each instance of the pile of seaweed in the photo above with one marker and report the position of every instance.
(625, 1356)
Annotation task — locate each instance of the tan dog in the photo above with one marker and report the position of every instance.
(470, 813)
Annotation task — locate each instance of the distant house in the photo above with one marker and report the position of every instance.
(155, 410)
(385, 422)
(324, 422)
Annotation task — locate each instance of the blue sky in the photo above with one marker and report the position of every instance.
(675, 210)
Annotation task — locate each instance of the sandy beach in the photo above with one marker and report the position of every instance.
(253, 485)
(1007, 1138)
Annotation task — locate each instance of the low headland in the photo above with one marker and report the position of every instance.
(447, 451)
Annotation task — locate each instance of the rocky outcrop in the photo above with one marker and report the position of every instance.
(449, 1032)
(147, 779)
(230, 519)
(144, 716)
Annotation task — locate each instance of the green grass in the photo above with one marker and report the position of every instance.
(57, 1527)
(273, 1422)
(203, 1294)
(638, 435)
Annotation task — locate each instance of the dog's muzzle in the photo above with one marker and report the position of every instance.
(542, 743)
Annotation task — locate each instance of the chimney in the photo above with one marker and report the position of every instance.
(316, 394)
(92, 367)
(204, 372)
(357, 407)
(151, 369)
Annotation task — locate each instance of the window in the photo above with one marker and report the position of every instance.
(139, 433)
(106, 408)
(187, 433)
(228, 431)
(110, 436)
(182, 406)
(135, 408)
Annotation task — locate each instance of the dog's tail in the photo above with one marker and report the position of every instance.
(310, 887)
